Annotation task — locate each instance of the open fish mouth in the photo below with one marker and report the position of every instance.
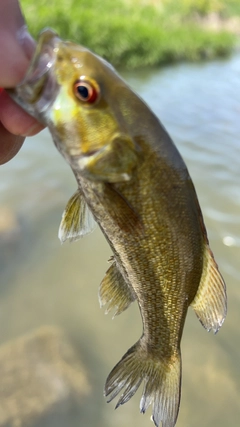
(36, 92)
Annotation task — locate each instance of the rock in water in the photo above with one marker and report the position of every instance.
(41, 379)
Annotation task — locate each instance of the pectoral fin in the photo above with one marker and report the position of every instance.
(77, 219)
(114, 291)
(121, 211)
(210, 302)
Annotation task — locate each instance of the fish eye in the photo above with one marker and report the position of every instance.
(86, 90)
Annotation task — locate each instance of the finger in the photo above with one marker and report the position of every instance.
(17, 45)
(15, 120)
(10, 145)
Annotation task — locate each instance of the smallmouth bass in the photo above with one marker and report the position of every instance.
(133, 182)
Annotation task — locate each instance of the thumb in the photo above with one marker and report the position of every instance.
(16, 44)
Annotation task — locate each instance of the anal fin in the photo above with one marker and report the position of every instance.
(210, 302)
(77, 219)
(114, 291)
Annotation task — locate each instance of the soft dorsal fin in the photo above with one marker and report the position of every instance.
(210, 302)
(114, 291)
(77, 219)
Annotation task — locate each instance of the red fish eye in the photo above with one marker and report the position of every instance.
(86, 91)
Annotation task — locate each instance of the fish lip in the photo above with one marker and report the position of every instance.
(38, 89)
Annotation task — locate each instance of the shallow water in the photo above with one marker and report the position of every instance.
(42, 282)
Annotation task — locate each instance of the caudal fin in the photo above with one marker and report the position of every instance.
(161, 378)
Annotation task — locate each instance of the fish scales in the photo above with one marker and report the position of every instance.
(155, 245)
(133, 182)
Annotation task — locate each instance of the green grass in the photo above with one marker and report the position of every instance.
(130, 35)
(232, 8)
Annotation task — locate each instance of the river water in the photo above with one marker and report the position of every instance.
(45, 283)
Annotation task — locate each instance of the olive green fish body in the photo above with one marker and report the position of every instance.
(158, 239)
(134, 182)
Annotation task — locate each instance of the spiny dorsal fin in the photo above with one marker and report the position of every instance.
(210, 302)
(114, 291)
(77, 219)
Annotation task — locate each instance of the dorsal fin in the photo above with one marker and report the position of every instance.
(77, 219)
(210, 302)
(114, 291)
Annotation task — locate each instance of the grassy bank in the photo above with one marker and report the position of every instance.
(134, 33)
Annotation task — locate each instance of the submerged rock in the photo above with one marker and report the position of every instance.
(10, 236)
(9, 225)
(42, 380)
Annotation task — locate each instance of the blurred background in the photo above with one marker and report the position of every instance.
(57, 346)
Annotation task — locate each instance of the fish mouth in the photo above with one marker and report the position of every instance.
(36, 92)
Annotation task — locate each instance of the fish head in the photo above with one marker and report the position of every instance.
(75, 93)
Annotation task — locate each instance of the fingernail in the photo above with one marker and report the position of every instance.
(26, 41)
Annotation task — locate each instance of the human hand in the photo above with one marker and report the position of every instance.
(16, 49)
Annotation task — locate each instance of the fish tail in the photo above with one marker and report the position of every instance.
(161, 378)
